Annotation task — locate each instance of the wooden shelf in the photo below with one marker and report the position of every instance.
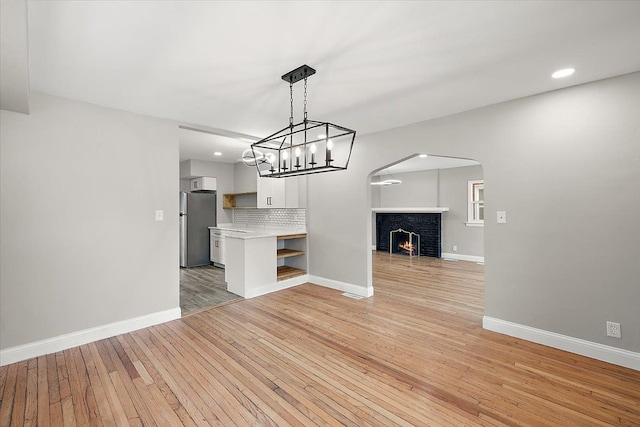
(285, 272)
(231, 201)
(286, 253)
(292, 236)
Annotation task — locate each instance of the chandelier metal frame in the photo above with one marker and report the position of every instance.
(314, 146)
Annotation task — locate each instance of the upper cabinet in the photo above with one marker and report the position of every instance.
(203, 183)
(271, 192)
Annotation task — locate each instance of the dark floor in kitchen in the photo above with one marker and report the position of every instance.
(202, 288)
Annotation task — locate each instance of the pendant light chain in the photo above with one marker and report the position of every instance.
(291, 99)
(305, 99)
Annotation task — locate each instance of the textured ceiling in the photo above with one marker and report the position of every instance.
(380, 64)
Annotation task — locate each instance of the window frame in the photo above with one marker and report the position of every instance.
(473, 204)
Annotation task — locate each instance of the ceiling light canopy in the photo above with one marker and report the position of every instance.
(565, 72)
(304, 148)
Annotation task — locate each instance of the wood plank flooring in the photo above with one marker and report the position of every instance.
(202, 288)
(414, 354)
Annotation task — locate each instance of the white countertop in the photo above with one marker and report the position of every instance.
(250, 231)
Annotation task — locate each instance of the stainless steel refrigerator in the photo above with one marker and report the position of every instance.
(197, 214)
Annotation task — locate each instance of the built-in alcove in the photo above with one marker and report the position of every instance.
(426, 225)
(429, 185)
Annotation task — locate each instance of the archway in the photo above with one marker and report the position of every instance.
(439, 198)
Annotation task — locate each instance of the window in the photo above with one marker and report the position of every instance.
(476, 203)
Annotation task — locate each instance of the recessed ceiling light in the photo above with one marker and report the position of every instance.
(217, 153)
(565, 72)
(423, 156)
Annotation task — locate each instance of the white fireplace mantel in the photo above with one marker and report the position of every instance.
(409, 210)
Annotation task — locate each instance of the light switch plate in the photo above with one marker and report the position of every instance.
(502, 217)
(160, 215)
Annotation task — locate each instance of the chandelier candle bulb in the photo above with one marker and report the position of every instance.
(329, 148)
(312, 148)
(271, 158)
(298, 157)
(285, 156)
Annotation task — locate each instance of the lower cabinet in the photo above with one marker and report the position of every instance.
(257, 263)
(216, 247)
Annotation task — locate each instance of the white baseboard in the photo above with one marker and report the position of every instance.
(74, 339)
(342, 286)
(617, 356)
(374, 248)
(461, 257)
(278, 286)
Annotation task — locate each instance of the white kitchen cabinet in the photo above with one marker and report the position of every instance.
(272, 193)
(204, 183)
(260, 263)
(296, 192)
(217, 247)
(281, 192)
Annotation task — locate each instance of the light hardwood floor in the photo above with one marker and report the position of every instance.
(413, 354)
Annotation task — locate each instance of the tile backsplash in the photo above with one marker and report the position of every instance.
(271, 217)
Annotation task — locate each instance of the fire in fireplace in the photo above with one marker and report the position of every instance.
(404, 242)
(427, 225)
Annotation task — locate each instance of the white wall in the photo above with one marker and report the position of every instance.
(418, 188)
(453, 194)
(564, 165)
(14, 56)
(80, 246)
(245, 178)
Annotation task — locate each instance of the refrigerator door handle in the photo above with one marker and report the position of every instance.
(183, 240)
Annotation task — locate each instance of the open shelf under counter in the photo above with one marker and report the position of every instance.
(286, 253)
(292, 236)
(287, 272)
(291, 251)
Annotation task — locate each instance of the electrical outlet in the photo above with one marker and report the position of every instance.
(613, 330)
(501, 217)
(159, 215)
(455, 248)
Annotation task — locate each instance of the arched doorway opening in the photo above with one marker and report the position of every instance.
(439, 203)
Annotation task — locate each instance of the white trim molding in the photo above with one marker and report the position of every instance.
(74, 339)
(342, 286)
(410, 210)
(617, 356)
(278, 286)
(461, 257)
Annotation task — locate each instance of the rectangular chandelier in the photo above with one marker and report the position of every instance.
(304, 148)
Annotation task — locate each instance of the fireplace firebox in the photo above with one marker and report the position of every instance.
(404, 242)
(426, 225)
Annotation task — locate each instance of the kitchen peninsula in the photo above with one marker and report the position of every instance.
(260, 259)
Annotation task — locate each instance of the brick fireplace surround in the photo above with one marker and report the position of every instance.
(427, 225)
